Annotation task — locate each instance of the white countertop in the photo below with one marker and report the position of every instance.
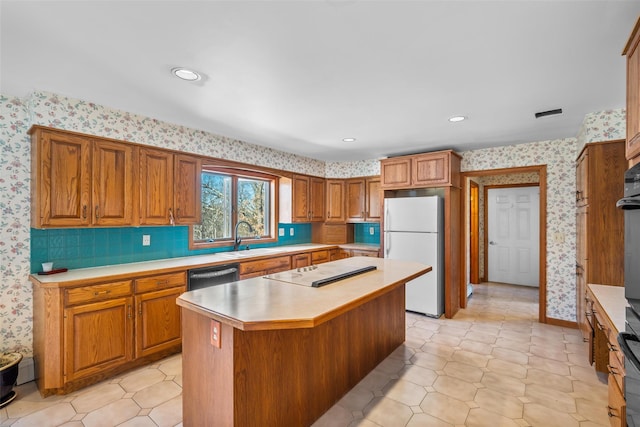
(613, 302)
(81, 274)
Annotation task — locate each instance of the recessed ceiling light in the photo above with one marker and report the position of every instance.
(454, 119)
(185, 74)
(349, 139)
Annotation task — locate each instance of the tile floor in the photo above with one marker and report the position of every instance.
(492, 365)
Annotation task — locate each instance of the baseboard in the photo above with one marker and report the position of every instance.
(563, 323)
(25, 371)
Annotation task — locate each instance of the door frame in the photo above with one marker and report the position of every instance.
(486, 218)
(474, 232)
(542, 174)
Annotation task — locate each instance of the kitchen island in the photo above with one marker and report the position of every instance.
(272, 351)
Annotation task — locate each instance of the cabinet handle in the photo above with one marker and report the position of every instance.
(161, 282)
(96, 293)
(587, 314)
(610, 413)
(611, 347)
(97, 212)
(84, 211)
(140, 309)
(129, 311)
(585, 339)
(611, 370)
(171, 220)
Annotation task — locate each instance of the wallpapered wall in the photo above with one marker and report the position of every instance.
(17, 115)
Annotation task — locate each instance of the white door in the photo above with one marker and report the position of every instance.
(514, 235)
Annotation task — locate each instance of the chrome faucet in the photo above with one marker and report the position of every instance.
(238, 239)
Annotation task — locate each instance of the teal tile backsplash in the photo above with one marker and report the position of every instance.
(93, 247)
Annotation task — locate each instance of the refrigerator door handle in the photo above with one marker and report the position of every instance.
(387, 242)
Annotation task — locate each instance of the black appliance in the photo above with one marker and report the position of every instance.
(211, 276)
(630, 339)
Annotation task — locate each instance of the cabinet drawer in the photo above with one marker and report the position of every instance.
(97, 292)
(616, 409)
(163, 281)
(359, 252)
(279, 263)
(319, 257)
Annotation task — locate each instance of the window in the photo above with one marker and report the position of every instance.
(229, 197)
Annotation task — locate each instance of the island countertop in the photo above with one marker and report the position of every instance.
(264, 304)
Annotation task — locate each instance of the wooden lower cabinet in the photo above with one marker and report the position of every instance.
(157, 321)
(84, 334)
(616, 408)
(97, 336)
(263, 267)
(300, 260)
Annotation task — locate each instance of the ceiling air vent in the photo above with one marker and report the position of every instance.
(548, 113)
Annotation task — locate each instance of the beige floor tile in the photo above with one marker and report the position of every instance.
(49, 417)
(551, 366)
(97, 396)
(594, 413)
(499, 403)
(388, 412)
(72, 424)
(480, 417)
(551, 398)
(579, 359)
(510, 355)
(426, 420)
(470, 358)
(464, 372)
(172, 365)
(142, 421)
(112, 414)
(140, 379)
(337, 416)
(428, 323)
(374, 381)
(418, 375)
(438, 349)
(445, 408)
(391, 366)
(452, 331)
(587, 375)
(169, 413)
(556, 382)
(504, 367)
(522, 346)
(540, 415)
(157, 394)
(404, 392)
(516, 335)
(403, 353)
(476, 346)
(429, 361)
(502, 383)
(356, 399)
(450, 340)
(456, 388)
(596, 393)
(480, 336)
(419, 333)
(548, 352)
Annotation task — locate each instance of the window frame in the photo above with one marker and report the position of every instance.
(236, 173)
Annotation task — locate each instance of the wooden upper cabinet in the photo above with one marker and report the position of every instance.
(316, 190)
(363, 199)
(335, 200)
(156, 187)
(395, 173)
(61, 179)
(187, 190)
(113, 183)
(582, 175)
(437, 169)
(633, 92)
(307, 200)
(373, 199)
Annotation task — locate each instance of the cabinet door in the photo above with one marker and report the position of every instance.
(355, 200)
(316, 190)
(113, 188)
(395, 173)
(633, 93)
(158, 324)
(64, 180)
(300, 260)
(187, 202)
(300, 199)
(156, 187)
(373, 207)
(97, 336)
(430, 170)
(335, 201)
(582, 176)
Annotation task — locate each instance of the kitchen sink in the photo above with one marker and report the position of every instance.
(244, 253)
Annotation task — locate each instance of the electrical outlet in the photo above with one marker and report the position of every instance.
(371, 232)
(559, 237)
(291, 232)
(146, 240)
(280, 232)
(215, 334)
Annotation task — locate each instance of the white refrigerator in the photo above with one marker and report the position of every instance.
(413, 231)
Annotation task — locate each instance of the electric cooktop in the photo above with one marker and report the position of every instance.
(319, 275)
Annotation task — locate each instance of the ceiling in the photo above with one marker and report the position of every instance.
(301, 76)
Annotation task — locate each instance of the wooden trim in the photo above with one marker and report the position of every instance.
(627, 47)
(474, 232)
(561, 322)
(542, 173)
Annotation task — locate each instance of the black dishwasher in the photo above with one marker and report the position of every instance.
(211, 276)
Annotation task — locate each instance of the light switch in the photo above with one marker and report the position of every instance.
(371, 231)
(146, 240)
(280, 232)
(291, 231)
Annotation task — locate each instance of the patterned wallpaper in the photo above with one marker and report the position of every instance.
(602, 126)
(17, 115)
(559, 156)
